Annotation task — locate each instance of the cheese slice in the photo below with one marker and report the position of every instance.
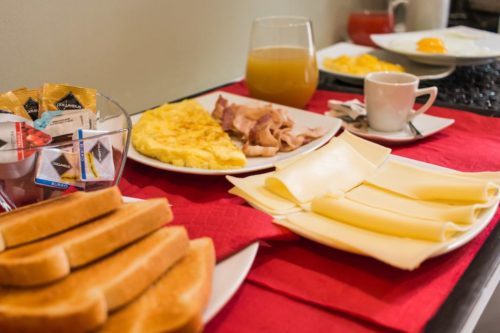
(252, 190)
(379, 198)
(493, 176)
(425, 184)
(334, 168)
(373, 152)
(383, 221)
(399, 252)
(276, 213)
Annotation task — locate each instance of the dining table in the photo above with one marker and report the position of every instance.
(297, 285)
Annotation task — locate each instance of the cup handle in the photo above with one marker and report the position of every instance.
(432, 92)
(393, 4)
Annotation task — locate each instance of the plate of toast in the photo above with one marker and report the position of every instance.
(108, 265)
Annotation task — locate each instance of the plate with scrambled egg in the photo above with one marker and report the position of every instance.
(350, 63)
(184, 137)
(451, 46)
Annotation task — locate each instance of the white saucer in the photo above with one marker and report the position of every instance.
(426, 125)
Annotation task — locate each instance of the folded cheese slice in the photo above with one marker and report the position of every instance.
(383, 221)
(81, 301)
(335, 168)
(54, 257)
(373, 152)
(253, 190)
(400, 252)
(425, 184)
(379, 198)
(48, 217)
(175, 303)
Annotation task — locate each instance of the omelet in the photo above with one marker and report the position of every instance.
(184, 134)
(360, 65)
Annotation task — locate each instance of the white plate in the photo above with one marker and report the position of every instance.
(228, 276)
(423, 72)
(426, 125)
(302, 119)
(483, 220)
(467, 46)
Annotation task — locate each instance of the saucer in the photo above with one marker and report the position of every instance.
(426, 125)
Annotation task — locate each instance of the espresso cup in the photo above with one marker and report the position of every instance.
(389, 100)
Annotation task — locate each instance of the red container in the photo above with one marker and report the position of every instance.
(361, 24)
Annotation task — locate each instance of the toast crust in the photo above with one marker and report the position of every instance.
(80, 302)
(49, 217)
(52, 258)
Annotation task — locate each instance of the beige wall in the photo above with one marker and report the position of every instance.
(142, 53)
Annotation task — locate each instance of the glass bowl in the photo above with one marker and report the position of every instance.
(17, 187)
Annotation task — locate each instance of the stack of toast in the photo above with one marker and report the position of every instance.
(89, 262)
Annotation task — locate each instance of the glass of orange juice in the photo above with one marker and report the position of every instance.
(281, 65)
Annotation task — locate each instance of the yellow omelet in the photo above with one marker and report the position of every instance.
(184, 134)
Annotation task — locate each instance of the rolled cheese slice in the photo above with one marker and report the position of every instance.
(383, 221)
(379, 198)
(425, 184)
(334, 168)
(399, 252)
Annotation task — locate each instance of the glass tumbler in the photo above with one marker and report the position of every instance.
(281, 64)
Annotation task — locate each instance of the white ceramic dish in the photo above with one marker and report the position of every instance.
(228, 276)
(467, 46)
(483, 220)
(423, 72)
(302, 119)
(426, 125)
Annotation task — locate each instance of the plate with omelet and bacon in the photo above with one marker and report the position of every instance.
(451, 46)
(221, 133)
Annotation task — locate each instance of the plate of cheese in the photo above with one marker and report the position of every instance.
(350, 63)
(222, 133)
(353, 195)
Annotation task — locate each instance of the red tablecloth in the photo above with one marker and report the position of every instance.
(300, 286)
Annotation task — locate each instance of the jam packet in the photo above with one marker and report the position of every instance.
(18, 140)
(66, 97)
(58, 168)
(29, 99)
(95, 155)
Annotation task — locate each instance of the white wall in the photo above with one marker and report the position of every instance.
(142, 53)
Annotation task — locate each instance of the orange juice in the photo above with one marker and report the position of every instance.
(284, 75)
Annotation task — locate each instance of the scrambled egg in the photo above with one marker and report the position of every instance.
(360, 65)
(184, 134)
(431, 45)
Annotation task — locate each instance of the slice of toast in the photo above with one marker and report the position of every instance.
(80, 302)
(48, 217)
(52, 258)
(176, 302)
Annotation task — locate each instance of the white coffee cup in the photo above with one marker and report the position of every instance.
(389, 100)
(424, 14)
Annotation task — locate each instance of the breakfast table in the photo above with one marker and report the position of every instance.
(296, 285)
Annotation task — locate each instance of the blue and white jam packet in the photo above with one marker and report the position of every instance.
(95, 156)
(58, 168)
